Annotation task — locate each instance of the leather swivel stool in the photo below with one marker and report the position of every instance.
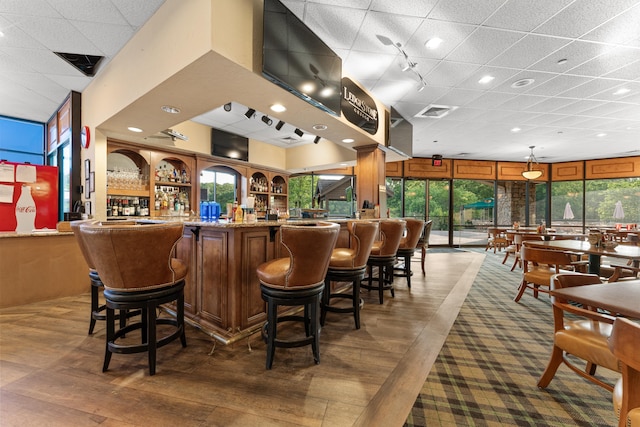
(96, 284)
(383, 256)
(137, 268)
(349, 265)
(297, 280)
(408, 246)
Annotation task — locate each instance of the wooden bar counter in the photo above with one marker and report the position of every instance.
(222, 293)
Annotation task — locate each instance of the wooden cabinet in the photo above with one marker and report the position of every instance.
(127, 182)
(171, 178)
(270, 192)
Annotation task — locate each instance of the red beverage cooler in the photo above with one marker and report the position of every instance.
(28, 197)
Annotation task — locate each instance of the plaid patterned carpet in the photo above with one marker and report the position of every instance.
(488, 368)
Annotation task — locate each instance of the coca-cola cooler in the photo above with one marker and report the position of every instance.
(28, 197)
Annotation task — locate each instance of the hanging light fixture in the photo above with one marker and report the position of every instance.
(531, 172)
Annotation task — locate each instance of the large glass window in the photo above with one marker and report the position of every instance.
(21, 141)
(438, 197)
(219, 184)
(415, 201)
(473, 211)
(566, 206)
(612, 201)
(394, 197)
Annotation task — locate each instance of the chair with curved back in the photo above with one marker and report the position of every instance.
(496, 239)
(349, 264)
(538, 266)
(623, 343)
(423, 243)
(138, 270)
(383, 256)
(580, 331)
(297, 279)
(407, 247)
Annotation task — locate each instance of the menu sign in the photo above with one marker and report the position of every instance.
(358, 107)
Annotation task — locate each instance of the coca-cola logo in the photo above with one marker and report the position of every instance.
(26, 209)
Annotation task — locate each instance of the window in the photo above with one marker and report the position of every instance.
(612, 201)
(219, 184)
(21, 141)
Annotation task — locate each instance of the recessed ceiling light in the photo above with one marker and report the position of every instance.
(433, 43)
(169, 109)
(486, 79)
(515, 130)
(134, 129)
(1, 34)
(622, 91)
(343, 164)
(601, 135)
(348, 140)
(562, 61)
(278, 108)
(319, 127)
(522, 83)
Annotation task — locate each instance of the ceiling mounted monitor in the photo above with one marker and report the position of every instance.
(296, 59)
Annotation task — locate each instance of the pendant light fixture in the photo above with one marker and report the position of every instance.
(532, 171)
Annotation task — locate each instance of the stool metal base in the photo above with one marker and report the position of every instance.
(385, 275)
(405, 270)
(354, 276)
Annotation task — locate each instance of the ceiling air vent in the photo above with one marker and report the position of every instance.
(86, 64)
(434, 111)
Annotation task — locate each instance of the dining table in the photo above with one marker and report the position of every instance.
(548, 235)
(595, 253)
(620, 298)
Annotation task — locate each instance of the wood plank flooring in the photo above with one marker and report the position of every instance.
(50, 370)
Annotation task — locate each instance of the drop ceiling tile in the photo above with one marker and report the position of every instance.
(108, 38)
(489, 100)
(367, 66)
(337, 27)
(591, 89)
(579, 106)
(576, 53)
(58, 35)
(538, 77)
(90, 11)
(500, 75)
(520, 102)
(29, 8)
(391, 92)
(396, 27)
(494, 42)
(527, 51)
(550, 105)
(137, 13)
(452, 34)
(608, 62)
(357, 4)
(605, 110)
(581, 17)
(619, 30)
(420, 8)
(466, 12)
(424, 98)
(449, 74)
(32, 60)
(15, 37)
(522, 15)
(628, 72)
(558, 85)
(458, 97)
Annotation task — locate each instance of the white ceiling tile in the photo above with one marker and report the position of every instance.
(579, 106)
(396, 27)
(550, 105)
(522, 15)
(493, 43)
(612, 60)
(527, 51)
(357, 4)
(29, 8)
(538, 77)
(58, 35)
(463, 11)
(628, 72)
(520, 102)
(108, 38)
(89, 10)
(575, 53)
(452, 34)
(619, 30)
(489, 100)
(591, 88)
(15, 37)
(582, 16)
(458, 97)
(137, 13)
(449, 74)
(558, 85)
(500, 75)
(420, 8)
(337, 27)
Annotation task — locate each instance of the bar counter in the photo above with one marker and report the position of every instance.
(222, 291)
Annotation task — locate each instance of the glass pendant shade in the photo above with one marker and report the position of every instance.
(530, 172)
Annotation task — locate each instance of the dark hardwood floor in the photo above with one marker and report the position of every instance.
(50, 370)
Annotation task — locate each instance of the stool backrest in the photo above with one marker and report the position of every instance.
(414, 231)
(363, 234)
(391, 231)
(75, 227)
(309, 249)
(134, 257)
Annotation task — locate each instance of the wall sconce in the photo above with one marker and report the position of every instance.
(279, 125)
(531, 172)
(227, 107)
(298, 132)
(316, 140)
(267, 120)
(250, 112)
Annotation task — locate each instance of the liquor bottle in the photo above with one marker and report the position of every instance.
(25, 211)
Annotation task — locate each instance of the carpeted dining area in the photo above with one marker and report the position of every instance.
(487, 370)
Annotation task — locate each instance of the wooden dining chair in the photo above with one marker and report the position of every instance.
(538, 266)
(511, 249)
(626, 393)
(496, 240)
(580, 331)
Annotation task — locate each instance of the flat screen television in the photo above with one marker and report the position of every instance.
(296, 59)
(229, 145)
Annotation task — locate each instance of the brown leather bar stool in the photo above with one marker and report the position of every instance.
(96, 283)
(383, 256)
(349, 265)
(137, 268)
(297, 280)
(408, 246)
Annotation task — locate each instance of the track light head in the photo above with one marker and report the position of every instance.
(316, 140)
(250, 112)
(227, 107)
(279, 125)
(267, 120)
(298, 132)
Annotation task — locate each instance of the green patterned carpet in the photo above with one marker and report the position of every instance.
(487, 370)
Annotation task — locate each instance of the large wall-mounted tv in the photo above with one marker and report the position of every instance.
(229, 145)
(296, 59)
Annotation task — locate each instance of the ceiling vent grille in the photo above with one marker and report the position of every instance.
(434, 111)
(86, 64)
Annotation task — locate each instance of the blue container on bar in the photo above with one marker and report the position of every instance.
(205, 211)
(214, 210)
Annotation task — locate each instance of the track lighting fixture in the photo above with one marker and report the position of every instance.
(227, 106)
(298, 132)
(279, 125)
(408, 64)
(316, 140)
(250, 112)
(267, 120)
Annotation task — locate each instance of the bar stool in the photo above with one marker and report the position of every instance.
(297, 280)
(383, 256)
(407, 247)
(349, 265)
(96, 283)
(138, 271)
